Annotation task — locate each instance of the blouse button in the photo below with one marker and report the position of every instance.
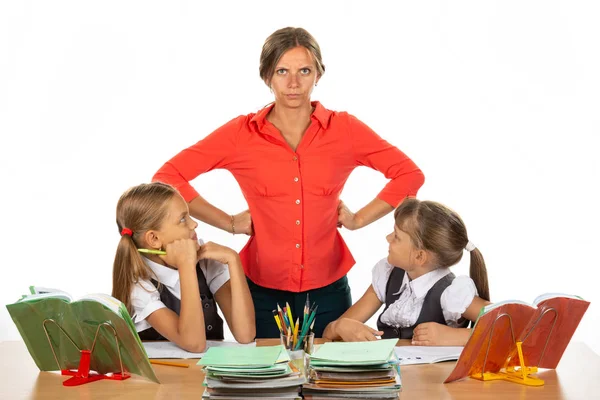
(297, 245)
(206, 305)
(296, 179)
(295, 158)
(298, 201)
(209, 328)
(297, 222)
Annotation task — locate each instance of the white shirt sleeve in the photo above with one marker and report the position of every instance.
(145, 299)
(381, 273)
(456, 299)
(216, 274)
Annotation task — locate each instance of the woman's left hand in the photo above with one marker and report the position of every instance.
(347, 218)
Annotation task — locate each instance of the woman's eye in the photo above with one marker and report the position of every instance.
(182, 220)
(305, 71)
(280, 71)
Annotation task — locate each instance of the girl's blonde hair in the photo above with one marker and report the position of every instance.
(440, 230)
(141, 208)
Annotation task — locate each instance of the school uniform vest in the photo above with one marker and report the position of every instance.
(213, 324)
(431, 311)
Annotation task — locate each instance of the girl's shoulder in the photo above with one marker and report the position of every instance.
(380, 275)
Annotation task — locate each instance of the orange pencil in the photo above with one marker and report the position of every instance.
(171, 364)
(281, 319)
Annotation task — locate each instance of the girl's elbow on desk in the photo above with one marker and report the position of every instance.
(245, 337)
(193, 346)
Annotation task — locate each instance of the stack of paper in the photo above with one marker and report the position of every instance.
(354, 370)
(250, 372)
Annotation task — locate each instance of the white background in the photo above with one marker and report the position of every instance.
(497, 102)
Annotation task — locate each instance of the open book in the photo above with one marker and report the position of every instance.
(49, 319)
(408, 355)
(544, 328)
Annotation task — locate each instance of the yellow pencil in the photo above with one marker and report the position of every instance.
(296, 333)
(289, 313)
(277, 320)
(171, 364)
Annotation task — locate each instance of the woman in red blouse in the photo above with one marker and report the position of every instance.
(291, 160)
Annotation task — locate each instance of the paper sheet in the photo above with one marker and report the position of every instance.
(427, 354)
(164, 349)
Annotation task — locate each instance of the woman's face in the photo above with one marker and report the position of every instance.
(294, 78)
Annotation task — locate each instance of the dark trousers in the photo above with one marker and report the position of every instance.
(333, 300)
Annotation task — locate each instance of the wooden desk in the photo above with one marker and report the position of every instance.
(577, 377)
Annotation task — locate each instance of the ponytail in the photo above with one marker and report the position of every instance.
(478, 272)
(128, 268)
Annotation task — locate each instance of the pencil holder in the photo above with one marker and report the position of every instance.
(304, 344)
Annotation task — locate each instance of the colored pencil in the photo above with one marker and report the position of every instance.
(171, 364)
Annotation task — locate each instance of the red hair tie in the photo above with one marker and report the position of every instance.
(127, 231)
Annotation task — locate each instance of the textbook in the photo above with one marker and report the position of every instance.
(408, 355)
(545, 328)
(250, 372)
(357, 370)
(55, 327)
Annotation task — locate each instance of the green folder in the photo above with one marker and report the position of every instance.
(354, 353)
(80, 320)
(240, 357)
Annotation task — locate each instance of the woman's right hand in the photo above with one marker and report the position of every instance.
(351, 330)
(182, 253)
(243, 223)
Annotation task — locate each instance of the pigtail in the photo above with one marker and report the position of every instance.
(128, 268)
(478, 272)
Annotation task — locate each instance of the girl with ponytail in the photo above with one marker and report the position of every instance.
(423, 300)
(174, 296)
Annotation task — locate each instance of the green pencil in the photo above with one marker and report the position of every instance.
(151, 251)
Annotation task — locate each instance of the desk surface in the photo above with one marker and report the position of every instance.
(577, 377)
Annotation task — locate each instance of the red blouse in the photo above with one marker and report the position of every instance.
(293, 196)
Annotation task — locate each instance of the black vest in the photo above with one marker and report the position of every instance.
(431, 311)
(213, 323)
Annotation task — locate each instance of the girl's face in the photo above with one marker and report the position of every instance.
(177, 223)
(402, 252)
(294, 78)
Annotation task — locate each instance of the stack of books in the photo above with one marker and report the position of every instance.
(234, 373)
(357, 370)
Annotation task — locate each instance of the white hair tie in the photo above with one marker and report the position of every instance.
(470, 246)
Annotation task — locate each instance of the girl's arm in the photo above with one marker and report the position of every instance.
(350, 326)
(472, 312)
(186, 330)
(435, 334)
(234, 296)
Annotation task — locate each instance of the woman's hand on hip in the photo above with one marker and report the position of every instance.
(347, 218)
(242, 223)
